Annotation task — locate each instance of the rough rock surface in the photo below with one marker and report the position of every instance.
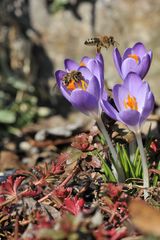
(127, 20)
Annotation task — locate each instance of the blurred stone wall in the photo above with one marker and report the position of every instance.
(127, 20)
(54, 36)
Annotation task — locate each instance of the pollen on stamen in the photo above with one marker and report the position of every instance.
(82, 64)
(131, 103)
(134, 56)
(83, 85)
(71, 86)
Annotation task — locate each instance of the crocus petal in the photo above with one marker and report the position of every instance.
(150, 55)
(110, 110)
(132, 82)
(117, 60)
(127, 52)
(84, 101)
(94, 87)
(139, 49)
(70, 65)
(59, 76)
(84, 61)
(119, 94)
(86, 73)
(145, 65)
(130, 65)
(95, 67)
(142, 92)
(101, 74)
(130, 118)
(104, 95)
(65, 92)
(100, 59)
(148, 107)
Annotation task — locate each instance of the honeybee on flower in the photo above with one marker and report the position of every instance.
(82, 84)
(72, 78)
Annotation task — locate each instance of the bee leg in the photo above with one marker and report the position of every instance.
(116, 44)
(98, 49)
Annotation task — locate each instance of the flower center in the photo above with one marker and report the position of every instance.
(82, 64)
(73, 80)
(134, 56)
(131, 103)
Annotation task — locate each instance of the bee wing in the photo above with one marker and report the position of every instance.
(116, 44)
(54, 89)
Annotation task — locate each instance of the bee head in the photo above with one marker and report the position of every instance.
(111, 39)
(65, 80)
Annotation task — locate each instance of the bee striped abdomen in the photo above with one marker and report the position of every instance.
(92, 41)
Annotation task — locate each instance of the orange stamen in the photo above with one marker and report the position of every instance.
(82, 64)
(83, 85)
(134, 56)
(131, 103)
(71, 86)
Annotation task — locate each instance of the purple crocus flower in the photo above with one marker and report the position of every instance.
(96, 66)
(134, 102)
(136, 59)
(82, 84)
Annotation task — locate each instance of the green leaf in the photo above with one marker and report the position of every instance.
(131, 167)
(107, 171)
(136, 157)
(7, 116)
(125, 161)
(138, 171)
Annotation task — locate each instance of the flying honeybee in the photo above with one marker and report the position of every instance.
(101, 41)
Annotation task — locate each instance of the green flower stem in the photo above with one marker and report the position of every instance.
(144, 164)
(117, 168)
